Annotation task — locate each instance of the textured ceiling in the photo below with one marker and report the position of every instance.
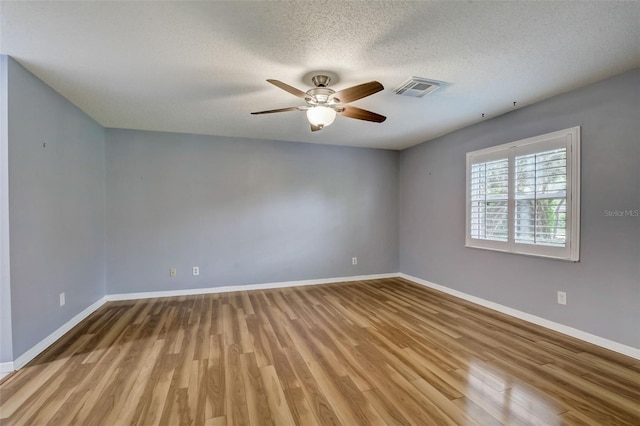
(200, 67)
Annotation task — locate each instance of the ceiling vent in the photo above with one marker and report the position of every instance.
(417, 87)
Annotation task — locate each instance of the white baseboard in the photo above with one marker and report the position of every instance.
(561, 328)
(247, 287)
(23, 359)
(5, 368)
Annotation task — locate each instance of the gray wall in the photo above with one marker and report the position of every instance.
(244, 211)
(56, 208)
(6, 342)
(603, 289)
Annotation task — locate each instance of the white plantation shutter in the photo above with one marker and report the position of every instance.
(541, 198)
(489, 200)
(523, 197)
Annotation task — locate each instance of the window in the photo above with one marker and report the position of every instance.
(524, 197)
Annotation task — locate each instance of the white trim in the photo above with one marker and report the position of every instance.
(574, 173)
(246, 287)
(23, 359)
(5, 368)
(561, 328)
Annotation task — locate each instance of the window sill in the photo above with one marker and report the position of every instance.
(562, 259)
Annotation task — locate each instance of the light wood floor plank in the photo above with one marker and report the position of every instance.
(258, 407)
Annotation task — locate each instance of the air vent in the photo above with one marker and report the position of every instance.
(417, 87)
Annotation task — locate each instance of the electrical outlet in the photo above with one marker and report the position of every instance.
(62, 299)
(354, 260)
(562, 298)
(172, 272)
(196, 270)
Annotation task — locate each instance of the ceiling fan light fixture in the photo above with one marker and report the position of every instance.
(321, 116)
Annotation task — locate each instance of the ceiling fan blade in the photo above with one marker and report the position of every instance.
(296, 92)
(357, 92)
(316, 128)
(270, 111)
(361, 114)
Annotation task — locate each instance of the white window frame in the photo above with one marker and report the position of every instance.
(569, 138)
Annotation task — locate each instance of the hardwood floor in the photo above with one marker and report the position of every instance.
(375, 352)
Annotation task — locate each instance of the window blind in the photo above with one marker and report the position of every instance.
(541, 198)
(489, 200)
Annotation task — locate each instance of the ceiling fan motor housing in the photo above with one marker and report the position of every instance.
(321, 80)
(320, 96)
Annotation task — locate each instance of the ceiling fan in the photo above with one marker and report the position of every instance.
(324, 103)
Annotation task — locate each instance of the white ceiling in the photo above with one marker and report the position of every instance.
(200, 67)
